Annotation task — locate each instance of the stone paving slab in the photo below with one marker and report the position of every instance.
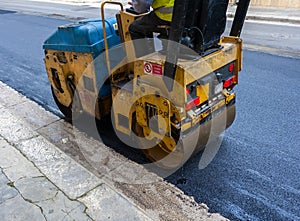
(6, 191)
(28, 194)
(12, 128)
(27, 183)
(17, 209)
(14, 96)
(103, 209)
(39, 119)
(14, 164)
(37, 180)
(72, 178)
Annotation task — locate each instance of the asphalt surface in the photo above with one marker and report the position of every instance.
(21, 55)
(254, 176)
(275, 38)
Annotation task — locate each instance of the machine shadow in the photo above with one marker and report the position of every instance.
(103, 131)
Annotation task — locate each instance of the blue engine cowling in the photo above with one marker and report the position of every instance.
(85, 36)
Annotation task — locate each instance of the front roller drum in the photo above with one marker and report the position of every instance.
(172, 153)
(167, 153)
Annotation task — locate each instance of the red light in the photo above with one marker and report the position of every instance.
(187, 90)
(193, 103)
(196, 101)
(229, 82)
(231, 67)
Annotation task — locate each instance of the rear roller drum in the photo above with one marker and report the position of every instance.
(66, 111)
(73, 111)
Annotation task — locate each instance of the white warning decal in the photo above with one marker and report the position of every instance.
(153, 68)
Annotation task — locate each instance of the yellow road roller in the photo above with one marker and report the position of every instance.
(169, 102)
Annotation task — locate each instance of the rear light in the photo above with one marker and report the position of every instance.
(188, 91)
(229, 82)
(231, 67)
(193, 103)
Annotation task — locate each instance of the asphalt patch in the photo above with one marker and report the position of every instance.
(181, 181)
(6, 12)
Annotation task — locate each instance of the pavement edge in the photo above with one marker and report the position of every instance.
(44, 140)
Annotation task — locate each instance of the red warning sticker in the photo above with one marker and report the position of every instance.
(153, 68)
(157, 69)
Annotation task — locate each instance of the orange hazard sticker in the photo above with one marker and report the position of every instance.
(153, 68)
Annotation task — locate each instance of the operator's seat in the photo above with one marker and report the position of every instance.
(204, 23)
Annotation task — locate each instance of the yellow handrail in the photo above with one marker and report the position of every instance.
(104, 29)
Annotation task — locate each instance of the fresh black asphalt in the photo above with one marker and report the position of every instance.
(255, 174)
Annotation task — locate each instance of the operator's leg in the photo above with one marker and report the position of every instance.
(144, 28)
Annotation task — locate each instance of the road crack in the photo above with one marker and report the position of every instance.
(11, 184)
